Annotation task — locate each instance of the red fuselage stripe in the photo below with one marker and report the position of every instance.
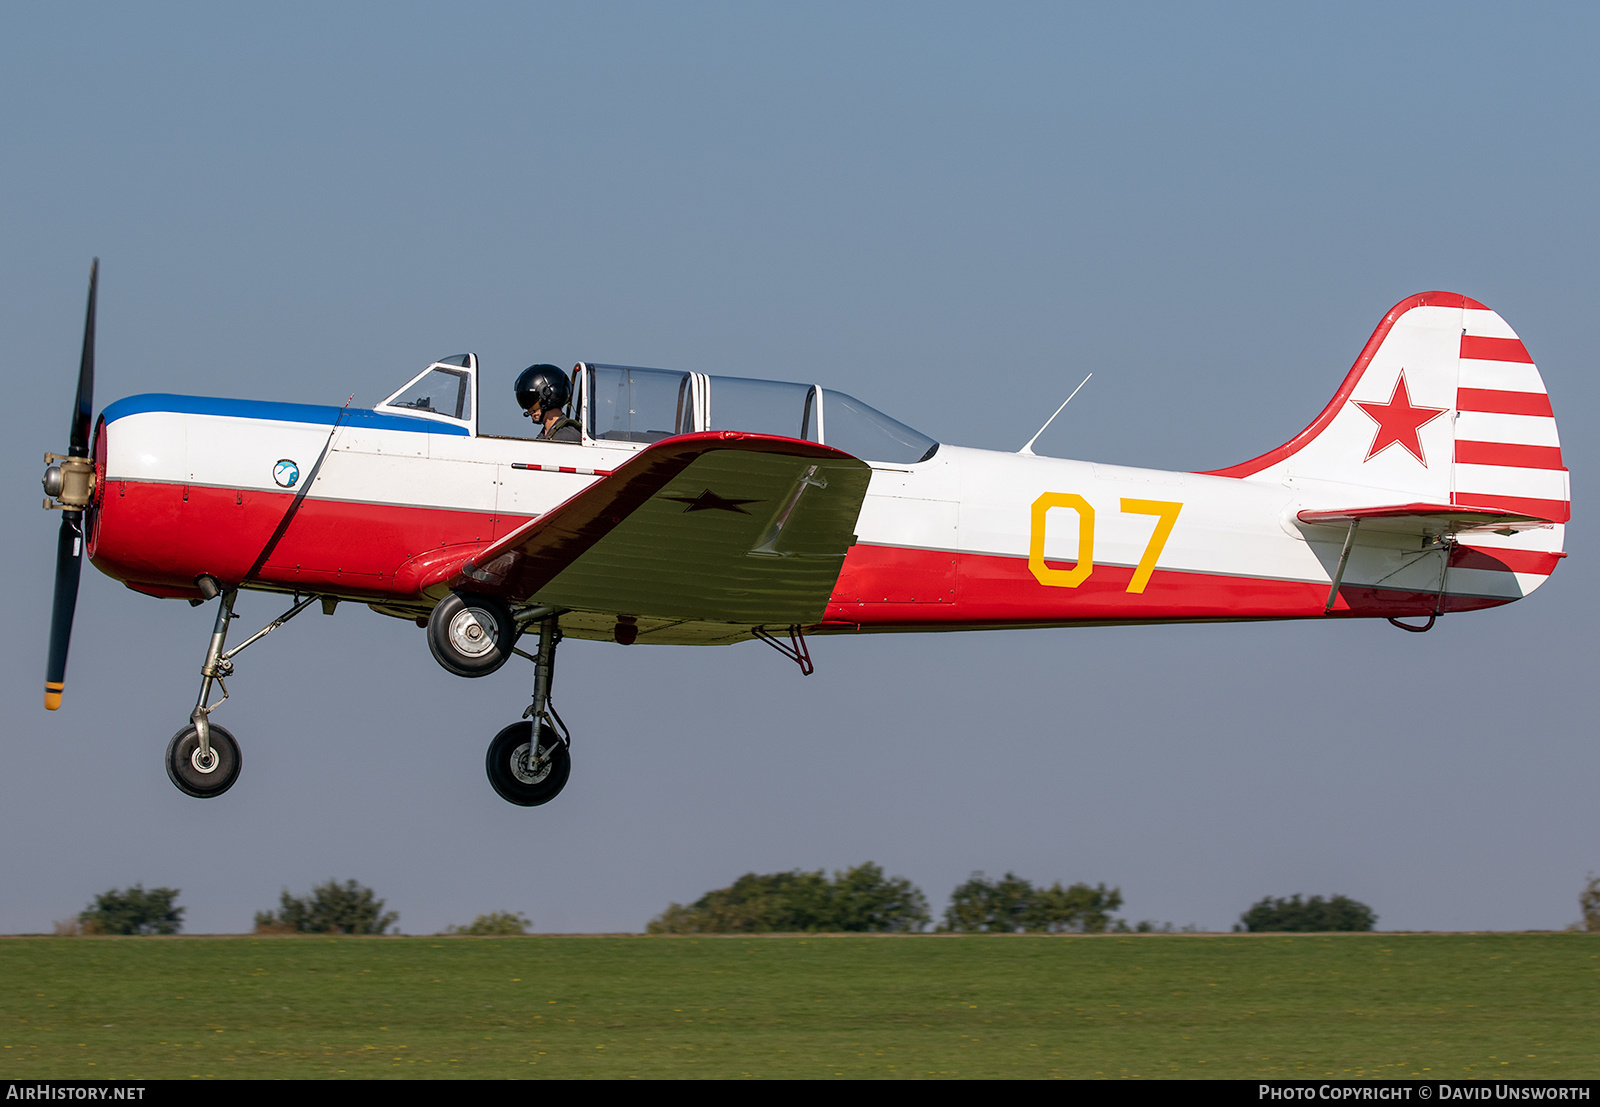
(168, 534)
(886, 586)
(161, 536)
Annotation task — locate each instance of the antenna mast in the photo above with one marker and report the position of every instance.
(1028, 449)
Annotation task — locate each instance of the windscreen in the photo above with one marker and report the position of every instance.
(441, 392)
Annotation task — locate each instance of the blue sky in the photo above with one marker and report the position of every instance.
(952, 212)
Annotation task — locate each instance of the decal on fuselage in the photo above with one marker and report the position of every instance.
(286, 473)
(1165, 511)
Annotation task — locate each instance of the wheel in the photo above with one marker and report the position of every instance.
(471, 635)
(192, 776)
(508, 765)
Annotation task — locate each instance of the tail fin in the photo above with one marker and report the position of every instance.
(1443, 410)
(1444, 406)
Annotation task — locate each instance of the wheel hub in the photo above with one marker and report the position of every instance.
(524, 771)
(204, 761)
(472, 631)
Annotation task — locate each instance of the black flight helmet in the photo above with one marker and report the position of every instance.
(544, 387)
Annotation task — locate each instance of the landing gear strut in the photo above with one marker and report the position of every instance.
(529, 762)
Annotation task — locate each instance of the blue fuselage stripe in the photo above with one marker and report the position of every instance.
(269, 409)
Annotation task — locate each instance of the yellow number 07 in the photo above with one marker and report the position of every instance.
(1165, 511)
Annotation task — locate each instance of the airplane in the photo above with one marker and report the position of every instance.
(703, 509)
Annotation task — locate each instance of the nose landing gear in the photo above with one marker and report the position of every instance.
(203, 758)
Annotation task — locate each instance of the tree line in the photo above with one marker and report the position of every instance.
(331, 908)
(857, 900)
(864, 900)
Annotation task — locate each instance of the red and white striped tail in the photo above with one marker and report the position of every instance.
(1508, 455)
(1507, 451)
(1443, 407)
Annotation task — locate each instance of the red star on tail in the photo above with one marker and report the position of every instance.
(1398, 422)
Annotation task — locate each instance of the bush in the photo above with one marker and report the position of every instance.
(1011, 905)
(1589, 903)
(332, 908)
(1150, 926)
(1314, 914)
(858, 900)
(135, 911)
(496, 922)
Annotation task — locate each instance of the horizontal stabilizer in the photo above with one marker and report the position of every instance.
(1428, 519)
(715, 526)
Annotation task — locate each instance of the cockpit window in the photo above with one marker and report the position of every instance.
(623, 403)
(444, 390)
(852, 426)
(630, 404)
(440, 392)
(817, 415)
(763, 407)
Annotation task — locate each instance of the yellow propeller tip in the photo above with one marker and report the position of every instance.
(52, 696)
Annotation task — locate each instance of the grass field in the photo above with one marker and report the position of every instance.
(1360, 1005)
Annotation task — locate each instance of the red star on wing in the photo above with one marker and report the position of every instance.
(1398, 422)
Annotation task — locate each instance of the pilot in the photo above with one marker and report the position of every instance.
(542, 392)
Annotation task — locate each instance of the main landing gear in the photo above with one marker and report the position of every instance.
(203, 759)
(529, 762)
(472, 635)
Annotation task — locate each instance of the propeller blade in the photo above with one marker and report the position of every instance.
(69, 566)
(69, 541)
(83, 408)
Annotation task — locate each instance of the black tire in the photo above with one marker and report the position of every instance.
(471, 635)
(508, 765)
(182, 762)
